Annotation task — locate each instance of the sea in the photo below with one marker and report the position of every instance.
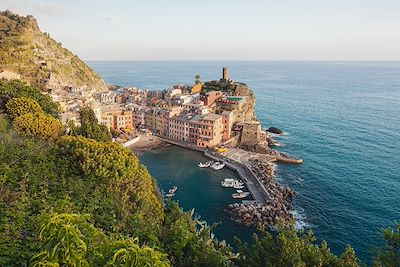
(342, 118)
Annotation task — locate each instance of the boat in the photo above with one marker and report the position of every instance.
(217, 166)
(205, 165)
(227, 182)
(240, 194)
(238, 185)
(172, 191)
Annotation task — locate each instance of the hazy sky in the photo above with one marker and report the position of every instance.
(220, 29)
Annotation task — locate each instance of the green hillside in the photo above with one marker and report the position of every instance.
(39, 59)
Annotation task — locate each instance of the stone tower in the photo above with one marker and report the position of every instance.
(225, 74)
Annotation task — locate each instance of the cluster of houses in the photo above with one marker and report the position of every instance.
(183, 113)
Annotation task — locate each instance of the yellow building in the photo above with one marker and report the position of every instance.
(197, 88)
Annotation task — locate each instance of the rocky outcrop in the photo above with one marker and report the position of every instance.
(274, 130)
(276, 211)
(40, 59)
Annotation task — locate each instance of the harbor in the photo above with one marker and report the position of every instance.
(271, 202)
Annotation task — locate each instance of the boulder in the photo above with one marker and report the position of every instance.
(274, 130)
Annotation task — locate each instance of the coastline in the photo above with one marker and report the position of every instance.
(272, 202)
(147, 142)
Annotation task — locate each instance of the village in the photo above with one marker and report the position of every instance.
(216, 118)
(190, 114)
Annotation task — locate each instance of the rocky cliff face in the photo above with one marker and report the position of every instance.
(39, 59)
(235, 89)
(241, 89)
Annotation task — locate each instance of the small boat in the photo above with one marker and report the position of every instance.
(217, 166)
(205, 165)
(172, 190)
(227, 182)
(240, 194)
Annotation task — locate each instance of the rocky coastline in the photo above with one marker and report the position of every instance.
(276, 211)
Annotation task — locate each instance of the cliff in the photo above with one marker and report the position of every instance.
(38, 59)
(235, 89)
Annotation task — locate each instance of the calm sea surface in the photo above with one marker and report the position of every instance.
(342, 118)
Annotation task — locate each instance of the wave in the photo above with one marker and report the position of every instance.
(300, 219)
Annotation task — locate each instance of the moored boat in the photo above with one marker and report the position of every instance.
(227, 182)
(172, 191)
(240, 194)
(217, 166)
(234, 183)
(205, 165)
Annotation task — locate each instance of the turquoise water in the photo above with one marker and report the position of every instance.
(342, 118)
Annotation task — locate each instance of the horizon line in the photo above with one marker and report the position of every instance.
(256, 60)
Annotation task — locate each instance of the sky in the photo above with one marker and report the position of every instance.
(220, 29)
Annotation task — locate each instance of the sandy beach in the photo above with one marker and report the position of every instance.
(147, 142)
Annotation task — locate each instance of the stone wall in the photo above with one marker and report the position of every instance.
(251, 133)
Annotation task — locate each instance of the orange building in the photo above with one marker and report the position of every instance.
(116, 118)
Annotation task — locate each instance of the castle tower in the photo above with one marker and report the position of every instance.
(225, 74)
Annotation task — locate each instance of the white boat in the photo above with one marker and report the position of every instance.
(172, 191)
(238, 185)
(227, 182)
(205, 165)
(217, 166)
(240, 194)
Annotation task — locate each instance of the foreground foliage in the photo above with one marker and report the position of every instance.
(389, 254)
(75, 201)
(16, 88)
(289, 248)
(19, 106)
(38, 125)
(70, 240)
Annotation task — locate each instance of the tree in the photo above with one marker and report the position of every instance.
(62, 241)
(38, 125)
(128, 252)
(127, 194)
(289, 248)
(90, 127)
(19, 106)
(16, 88)
(389, 254)
(197, 79)
(190, 242)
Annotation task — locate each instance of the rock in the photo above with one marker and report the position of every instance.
(274, 130)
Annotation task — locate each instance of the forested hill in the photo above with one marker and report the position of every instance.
(38, 59)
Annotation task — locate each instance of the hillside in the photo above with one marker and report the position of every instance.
(39, 59)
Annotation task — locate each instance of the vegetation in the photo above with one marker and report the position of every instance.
(91, 128)
(38, 125)
(389, 254)
(197, 79)
(21, 106)
(75, 201)
(28, 51)
(71, 240)
(16, 89)
(289, 248)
